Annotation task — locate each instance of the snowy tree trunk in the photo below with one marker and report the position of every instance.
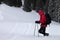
(1, 1)
(16, 3)
(54, 10)
(27, 5)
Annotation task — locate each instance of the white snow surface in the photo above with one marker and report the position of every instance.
(16, 24)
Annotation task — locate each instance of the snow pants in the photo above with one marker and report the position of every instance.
(43, 28)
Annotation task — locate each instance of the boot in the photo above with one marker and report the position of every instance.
(44, 33)
(41, 30)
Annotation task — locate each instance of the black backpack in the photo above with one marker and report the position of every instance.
(48, 18)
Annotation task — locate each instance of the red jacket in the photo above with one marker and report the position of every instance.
(42, 16)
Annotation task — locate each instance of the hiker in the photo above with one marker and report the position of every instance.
(43, 20)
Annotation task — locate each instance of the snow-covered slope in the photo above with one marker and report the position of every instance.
(16, 14)
(16, 24)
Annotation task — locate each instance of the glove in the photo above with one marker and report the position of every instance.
(37, 22)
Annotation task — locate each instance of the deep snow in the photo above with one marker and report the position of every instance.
(16, 24)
